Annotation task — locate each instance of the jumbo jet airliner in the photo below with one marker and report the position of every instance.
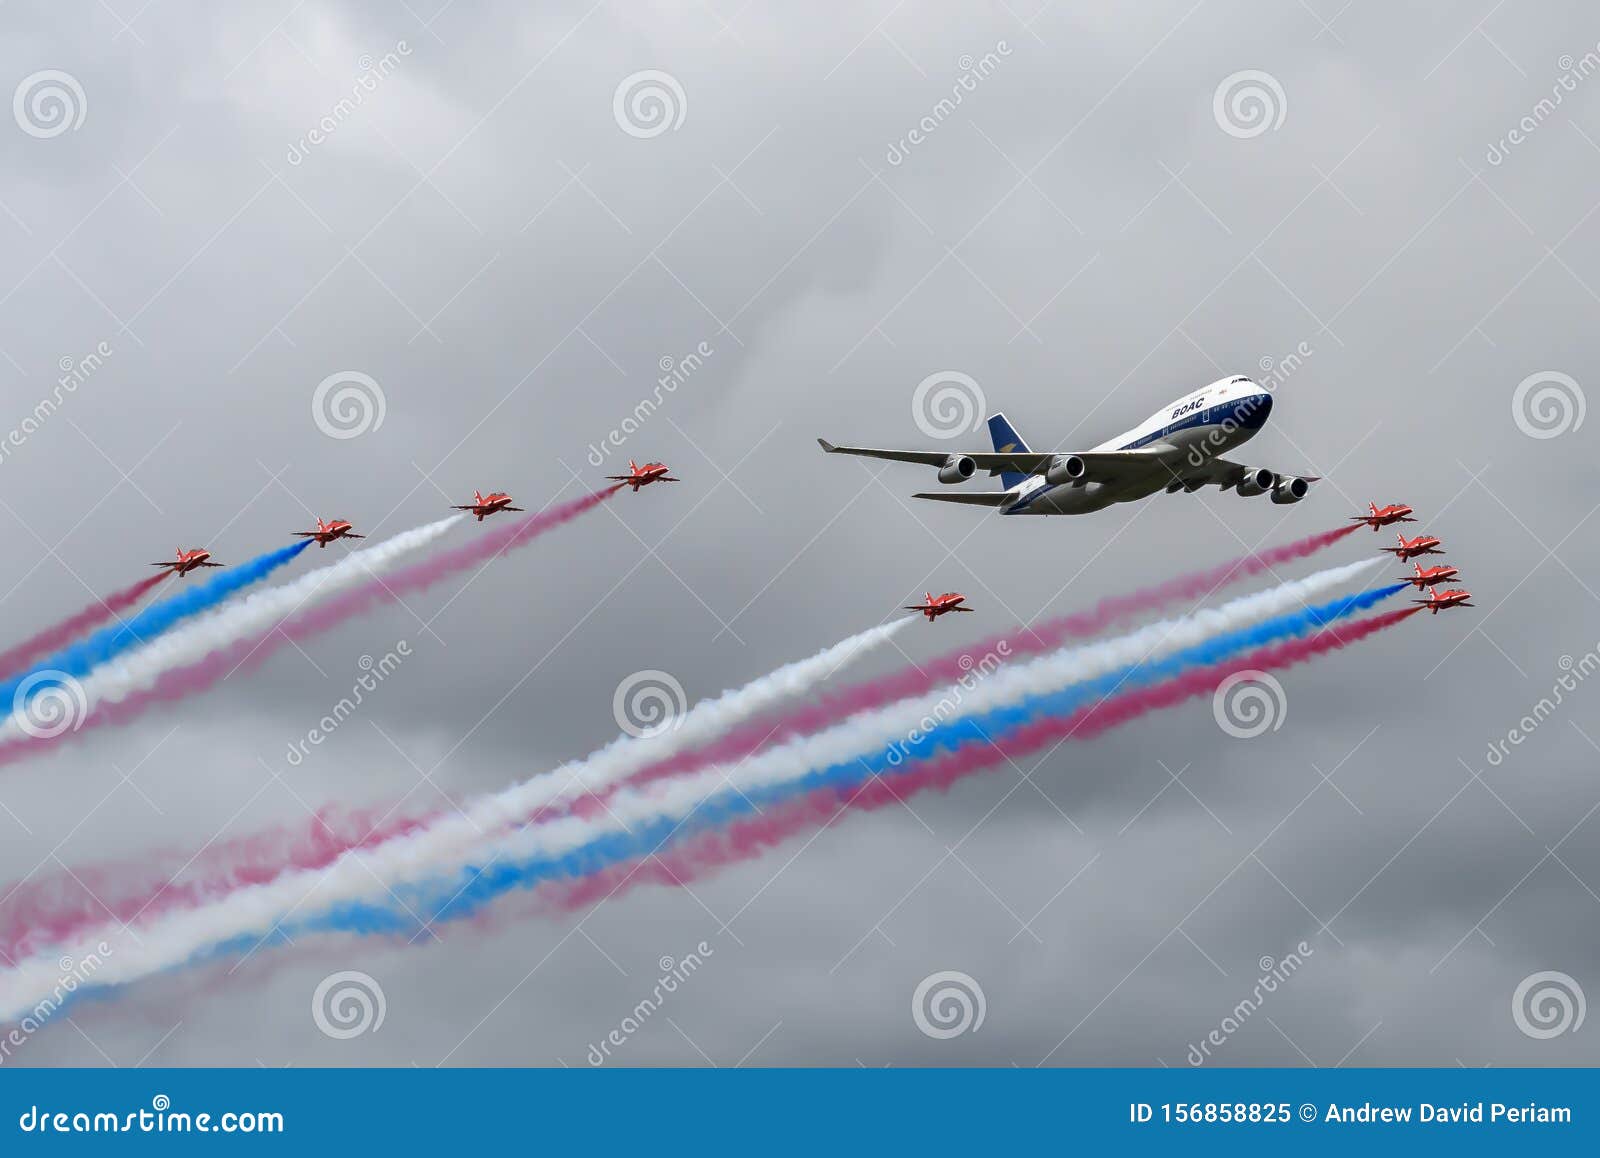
(1177, 448)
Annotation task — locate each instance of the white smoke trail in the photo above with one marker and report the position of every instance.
(174, 938)
(710, 718)
(139, 669)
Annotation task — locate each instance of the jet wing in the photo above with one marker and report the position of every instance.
(1101, 465)
(1220, 471)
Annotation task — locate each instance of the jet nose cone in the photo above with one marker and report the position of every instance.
(1255, 409)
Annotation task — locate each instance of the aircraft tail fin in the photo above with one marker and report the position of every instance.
(1007, 441)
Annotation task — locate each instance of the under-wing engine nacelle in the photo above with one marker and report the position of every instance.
(1290, 490)
(1257, 481)
(1064, 469)
(957, 468)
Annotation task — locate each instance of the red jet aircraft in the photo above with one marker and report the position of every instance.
(1438, 601)
(187, 561)
(1411, 548)
(642, 476)
(1427, 578)
(329, 531)
(483, 505)
(933, 608)
(1383, 516)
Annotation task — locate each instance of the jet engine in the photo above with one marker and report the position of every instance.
(1065, 468)
(1290, 490)
(1257, 481)
(957, 468)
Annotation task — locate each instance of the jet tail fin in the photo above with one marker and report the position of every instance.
(1007, 441)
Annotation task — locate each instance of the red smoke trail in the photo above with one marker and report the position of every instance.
(952, 666)
(747, 838)
(51, 910)
(53, 639)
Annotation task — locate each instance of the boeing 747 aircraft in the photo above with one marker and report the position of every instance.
(1177, 448)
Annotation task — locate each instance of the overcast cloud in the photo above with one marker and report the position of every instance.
(1082, 235)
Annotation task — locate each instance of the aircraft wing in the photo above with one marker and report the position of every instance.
(1219, 471)
(1101, 465)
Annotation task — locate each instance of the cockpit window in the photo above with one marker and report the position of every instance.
(1233, 381)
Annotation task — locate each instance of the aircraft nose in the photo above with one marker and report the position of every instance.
(1254, 409)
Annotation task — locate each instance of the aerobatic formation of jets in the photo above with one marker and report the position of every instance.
(1422, 578)
(1017, 492)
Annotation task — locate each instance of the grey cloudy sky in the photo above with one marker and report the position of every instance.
(1082, 236)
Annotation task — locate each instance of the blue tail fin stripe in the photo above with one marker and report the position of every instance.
(1007, 441)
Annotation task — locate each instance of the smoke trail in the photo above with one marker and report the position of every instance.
(141, 667)
(712, 848)
(63, 633)
(952, 666)
(109, 642)
(251, 651)
(163, 682)
(50, 910)
(54, 909)
(966, 742)
(432, 854)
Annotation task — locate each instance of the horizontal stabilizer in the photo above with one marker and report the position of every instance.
(974, 499)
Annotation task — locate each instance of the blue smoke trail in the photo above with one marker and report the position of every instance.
(465, 892)
(109, 642)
